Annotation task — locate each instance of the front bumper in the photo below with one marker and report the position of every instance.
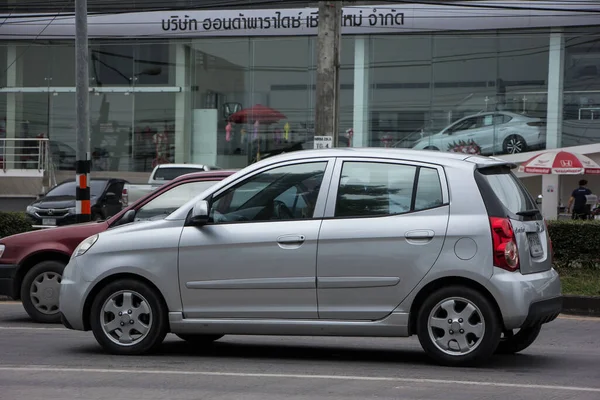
(8, 273)
(526, 299)
(73, 291)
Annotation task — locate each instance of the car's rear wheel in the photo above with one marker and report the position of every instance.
(514, 144)
(199, 340)
(458, 326)
(511, 342)
(129, 317)
(40, 291)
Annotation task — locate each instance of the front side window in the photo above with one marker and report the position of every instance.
(282, 193)
(169, 201)
(469, 123)
(378, 189)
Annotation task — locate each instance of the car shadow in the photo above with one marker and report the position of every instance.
(228, 348)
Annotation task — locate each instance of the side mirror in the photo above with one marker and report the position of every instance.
(200, 213)
(128, 217)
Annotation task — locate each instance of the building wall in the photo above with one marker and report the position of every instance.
(395, 89)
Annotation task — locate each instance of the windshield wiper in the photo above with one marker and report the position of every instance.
(529, 213)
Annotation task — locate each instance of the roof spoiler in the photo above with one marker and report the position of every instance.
(491, 162)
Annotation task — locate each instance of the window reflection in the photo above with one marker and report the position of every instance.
(477, 94)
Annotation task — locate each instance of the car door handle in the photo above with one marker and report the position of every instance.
(291, 239)
(420, 236)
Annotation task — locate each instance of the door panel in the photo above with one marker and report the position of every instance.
(242, 271)
(257, 256)
(381, 241)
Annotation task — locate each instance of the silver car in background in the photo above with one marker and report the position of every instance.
(339, 242)
(489, 133)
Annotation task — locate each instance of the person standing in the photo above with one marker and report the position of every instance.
(578, 201)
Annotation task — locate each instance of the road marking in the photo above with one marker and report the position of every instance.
(30, 328)
(578, 317)
(298, 376)
(10, 303)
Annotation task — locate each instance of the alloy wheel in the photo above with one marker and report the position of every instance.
(456, 326)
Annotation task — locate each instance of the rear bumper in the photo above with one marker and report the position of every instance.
(8, 273)
(542, 312)
(526, 299)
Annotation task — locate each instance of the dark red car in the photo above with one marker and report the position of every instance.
(31, 263)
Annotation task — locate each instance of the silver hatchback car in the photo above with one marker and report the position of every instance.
(339, 242)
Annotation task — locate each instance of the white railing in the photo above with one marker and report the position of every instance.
(24, 154)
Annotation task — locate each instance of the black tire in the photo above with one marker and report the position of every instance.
(512, 343)
(42, 307)
(199, 340)
(486, 345)
(159, 323)
(514, 144)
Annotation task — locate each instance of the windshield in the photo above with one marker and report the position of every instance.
(68, 189)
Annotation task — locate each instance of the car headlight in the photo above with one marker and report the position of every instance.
(85, 246)
(2, 247)
(31, 209)
(72, 210)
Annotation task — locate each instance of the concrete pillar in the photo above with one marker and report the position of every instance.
(362, 94)
(12, 114)
(556, 61)
(182, 104)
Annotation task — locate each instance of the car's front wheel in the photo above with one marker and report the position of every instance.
(511, 342)
(129, 317)
(40, 291)
(458, 326)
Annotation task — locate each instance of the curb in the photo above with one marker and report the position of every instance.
(574, 305)
(581, 305)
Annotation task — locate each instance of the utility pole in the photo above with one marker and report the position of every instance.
(83, 163)
(328, 67)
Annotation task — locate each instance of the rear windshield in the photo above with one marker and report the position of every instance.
(508, 189)
(168, 174)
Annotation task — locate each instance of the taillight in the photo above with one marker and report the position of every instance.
(506, 253)
(124, 197)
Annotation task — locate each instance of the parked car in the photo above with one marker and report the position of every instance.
(57, 207)
(31, 263)
(489, 133)
(160, 175)
(383, 238)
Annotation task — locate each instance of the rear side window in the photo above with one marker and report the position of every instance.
(507, 190)
(168, 174)
(379, 189)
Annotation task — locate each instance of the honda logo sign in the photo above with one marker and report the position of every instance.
(566, 163)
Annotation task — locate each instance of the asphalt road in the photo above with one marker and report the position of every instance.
(50, 362)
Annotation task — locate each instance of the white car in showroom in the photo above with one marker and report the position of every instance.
(497, 132)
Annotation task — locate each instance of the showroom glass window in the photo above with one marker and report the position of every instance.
(581, 99)
(422, 84)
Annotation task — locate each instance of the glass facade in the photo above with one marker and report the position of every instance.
(230, 101)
